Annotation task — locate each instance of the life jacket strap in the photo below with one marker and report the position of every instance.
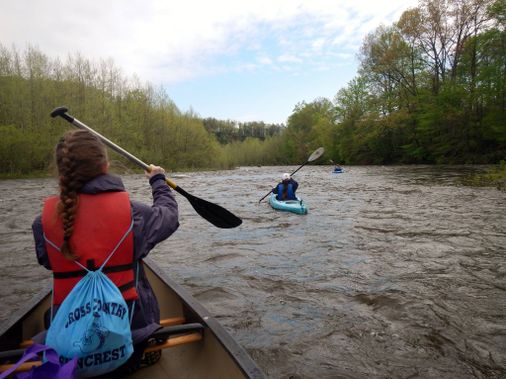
(81, 273)
(127, 286)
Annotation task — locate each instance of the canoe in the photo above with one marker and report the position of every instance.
(197, 346)
(295, 206)
(338, 170)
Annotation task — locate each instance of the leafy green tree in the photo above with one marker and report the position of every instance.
(307, 128)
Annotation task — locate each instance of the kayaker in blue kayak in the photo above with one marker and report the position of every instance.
(338, 169)
(285, 190)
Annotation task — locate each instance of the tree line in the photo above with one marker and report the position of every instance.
(137, 116)
(431, 88)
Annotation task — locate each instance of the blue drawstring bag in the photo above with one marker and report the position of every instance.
(93, 324)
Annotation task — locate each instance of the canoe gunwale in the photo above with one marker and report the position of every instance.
(247, 365)
(14, 323)
(11, 330)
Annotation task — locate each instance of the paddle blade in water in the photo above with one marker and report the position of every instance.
(215, 214)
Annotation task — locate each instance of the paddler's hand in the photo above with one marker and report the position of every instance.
(154, 170)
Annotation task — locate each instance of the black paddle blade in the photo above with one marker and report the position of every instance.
(215, 214)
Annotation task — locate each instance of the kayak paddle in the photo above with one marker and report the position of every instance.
(316, 154)
(215, 214)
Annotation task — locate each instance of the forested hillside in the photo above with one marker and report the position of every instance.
(137, 116)
(431, 88)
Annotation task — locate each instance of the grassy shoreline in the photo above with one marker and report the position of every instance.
(493, 177)
(31, 175)
(114, 170)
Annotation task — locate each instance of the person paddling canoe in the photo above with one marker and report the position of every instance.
(86, 219)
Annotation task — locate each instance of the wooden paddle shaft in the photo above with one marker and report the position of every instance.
(215, 214)
(163, 322)
(132, 158)
(27, 366)
(171, 342)
(175, 341)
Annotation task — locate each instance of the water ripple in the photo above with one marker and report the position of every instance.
(396, 272)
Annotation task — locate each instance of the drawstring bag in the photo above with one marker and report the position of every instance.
(93, 324)
(50, 369)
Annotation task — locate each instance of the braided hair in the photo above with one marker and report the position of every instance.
(80, 156)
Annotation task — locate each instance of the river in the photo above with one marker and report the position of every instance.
(395, 272)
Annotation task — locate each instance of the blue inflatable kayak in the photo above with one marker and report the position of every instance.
(295, 206)
(338, 170)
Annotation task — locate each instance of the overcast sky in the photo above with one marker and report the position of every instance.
(241, 60)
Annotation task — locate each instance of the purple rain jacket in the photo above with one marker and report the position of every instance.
(152, 224)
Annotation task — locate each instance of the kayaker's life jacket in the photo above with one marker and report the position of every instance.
(290, 195)
(102, 222)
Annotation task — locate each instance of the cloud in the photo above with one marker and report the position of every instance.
(264, 60)
(289, 58)
(172, 41)
(318, 44)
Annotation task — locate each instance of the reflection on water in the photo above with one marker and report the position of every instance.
(396, 272)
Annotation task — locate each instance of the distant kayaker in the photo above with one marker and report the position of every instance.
(85, 221)
(285, 190)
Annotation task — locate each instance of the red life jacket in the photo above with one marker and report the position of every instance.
(101, 221)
